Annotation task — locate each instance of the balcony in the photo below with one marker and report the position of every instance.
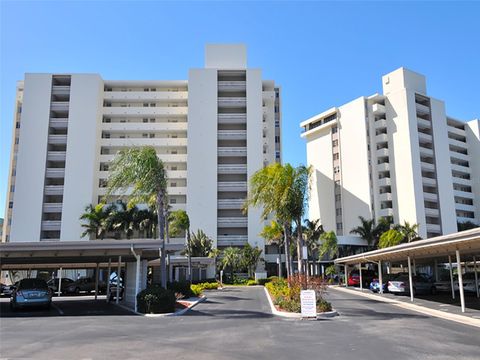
(382, 152)
(52, 207)
(55, 173)
(381, 138)
(385, 212)
(59, 123)
(422, 109)
(380, 124)
(176, 174)
(177, 190)
(433, 197)
(232, 240)
(132, 142)
(53, 190)
(232, 85)
(433, 228)
(464, 207)
(150, 96)
(57, 139)
(378, 109)
(232, 186)
(60, 90)
(232, 222)
(460, 168)
(423, 124)
(232, 169)
(232, 134)
(59, 105)
(141, 127)
(383, 167)
(385, 197)
(429, 181)
(432, 212)
(166, 158)
(232, 118)
(56, 155)
(427, 166)
(425, 151)
(232, 102)
(464, 194)
(425, 137)
(51, 225)
(232, 204)
(460, 144)
(146, 111)
(232, 151)
(384, 182)
(457, 131)
(268, 95)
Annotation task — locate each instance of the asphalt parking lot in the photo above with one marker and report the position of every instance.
(236, 323)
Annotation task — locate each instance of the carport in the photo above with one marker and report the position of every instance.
(135, 254)
(463, 246)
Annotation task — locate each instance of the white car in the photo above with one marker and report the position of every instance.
(468, 282)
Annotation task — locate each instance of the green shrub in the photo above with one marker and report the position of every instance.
(323, 305)
(156, 300)
(251, 283)
(181, 288)
(267, 280)
(196, 289)
(209, 285)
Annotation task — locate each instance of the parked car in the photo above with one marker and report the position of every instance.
(367, 277)
(7, 289)
(31, 292)
(468, 280)
(422, 284)
(113, 292)
(375, 284)
(53, 284)
(85, 285)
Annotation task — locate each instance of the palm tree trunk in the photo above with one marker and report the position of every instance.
(299, 247)
(161, 228)
(280, 260)
(288, 257)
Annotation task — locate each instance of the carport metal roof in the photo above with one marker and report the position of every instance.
(79, 252)
(467, 242)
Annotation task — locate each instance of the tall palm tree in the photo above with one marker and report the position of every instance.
(95, 217)
(408, 231)
(180, 222)
(312, 231)
(146, 220)
(231, 259)
(123, 218)
(201, 245)
(273, 234)
(367, 230)
(141, 170)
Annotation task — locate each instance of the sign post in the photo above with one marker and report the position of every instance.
(308, 304)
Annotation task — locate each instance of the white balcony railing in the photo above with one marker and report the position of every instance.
(232, 134)
(232, 186)
(57, 139)
(232, 169)
(232, 118)
(55, 173)
(381, 138)
(232, 151)
(59, 123)
(53, 190)
(232, 240)
(230, 203)
(424, 124)
(232, 102)
(52, 207)
(422, 109)
(232, 85)
(139, 96)
(51, 225)
(378, 109)
(232, 222)
(380, 124)
(56, 155)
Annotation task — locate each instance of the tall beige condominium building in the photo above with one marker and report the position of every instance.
(212, 132)
(397, 154)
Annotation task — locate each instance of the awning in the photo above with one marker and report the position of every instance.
(467, 242)
(79, 252)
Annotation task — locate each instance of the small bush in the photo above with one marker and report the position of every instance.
(251, 283)
(267, 280)
(323, 305)
(181, 288)
(196, 289)
(210, 281)
(156, 300)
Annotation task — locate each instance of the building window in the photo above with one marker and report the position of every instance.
(173, 184)
(334, 130)
(336, 156)
(10, 205)
(174, 136)
(106, 135)
(335, 143)
(107, 120)
(338, 212)
(173, 201)
(145, 104)
(152, 136)
(174, 152)
(174, 168)
(152, 120)
(336, 169)
(17, 125)
(153, 105)
(338, 197)
(145, 120)
(12, 188)
(277, 123)
(339, 226)
(122, 136)
(16, 141)
(145, 135)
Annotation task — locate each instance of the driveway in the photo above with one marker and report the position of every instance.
(236, 323)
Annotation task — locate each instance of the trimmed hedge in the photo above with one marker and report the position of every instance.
(156, 300)
(197, 289)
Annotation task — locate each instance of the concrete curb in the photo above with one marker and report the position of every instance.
(176, 313)
(421, 309)
(291, 315)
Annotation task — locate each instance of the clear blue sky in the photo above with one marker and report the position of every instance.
(322, 53)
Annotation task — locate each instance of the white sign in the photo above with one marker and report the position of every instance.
(308, 303)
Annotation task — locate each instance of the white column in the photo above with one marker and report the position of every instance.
(96, 281)
(118, 280)
(137, 280)
(346, 275)
(59, 282)
(451, 276)
(108, 278)
(360, 272)
(476, 276)
(410, 280)
(380, 277)
(460, 281)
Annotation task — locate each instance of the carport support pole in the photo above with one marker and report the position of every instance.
(476, 276)
(361, 279)
(451, 276)
(435, 269)
(119, 265)
(346, 275)
(410, 280)
(460, 280)
(59, 282)
(380, 279)
(96, 281)
(108, 280)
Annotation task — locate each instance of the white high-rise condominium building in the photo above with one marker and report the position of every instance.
(398, 154)
(212, 132)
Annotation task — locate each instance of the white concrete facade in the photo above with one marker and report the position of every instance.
(397, 154)
(212, 131)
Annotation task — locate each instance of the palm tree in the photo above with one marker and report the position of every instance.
(329, 244)
(312, 231)
(283, 191)
(409, 232)
(367, 230)
(232, 257)
(273, 234)
(180, 222)
(250, 258)
(142, 170)
(146, 220)
(201, 245)
(123, 218)
(95, 217)
(389, 238)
